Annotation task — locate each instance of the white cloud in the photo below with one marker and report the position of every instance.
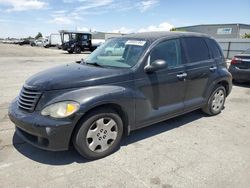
(4, 20)
(102, 6)
(122, 30)
(147, 4)
(62, 17)
(59, 12)
(23, 5)
(61, 20)
(162, 27)
(68, 1)
(91, 4)
(165, 26)
(82, 29)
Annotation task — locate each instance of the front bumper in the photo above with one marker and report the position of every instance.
(239, 74)
(40, 131)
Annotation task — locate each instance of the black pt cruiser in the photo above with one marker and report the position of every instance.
(126, 84)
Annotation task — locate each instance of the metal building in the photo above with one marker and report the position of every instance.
(219, 31)
(105, 36)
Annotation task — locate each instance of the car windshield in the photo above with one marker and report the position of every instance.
(117, 52)
(247, 51)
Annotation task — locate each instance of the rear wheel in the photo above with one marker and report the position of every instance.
(99, 134)
(216, 101)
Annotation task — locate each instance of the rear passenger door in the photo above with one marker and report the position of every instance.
(200, 69)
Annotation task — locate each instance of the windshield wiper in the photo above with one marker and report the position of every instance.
(94, 64)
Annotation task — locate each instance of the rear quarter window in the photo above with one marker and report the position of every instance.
(196, 49)
(214, 48)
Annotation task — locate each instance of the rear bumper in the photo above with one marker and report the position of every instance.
(239, 74)
(40, 131)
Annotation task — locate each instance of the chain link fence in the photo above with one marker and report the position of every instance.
(231, 47)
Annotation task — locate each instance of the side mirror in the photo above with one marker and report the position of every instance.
(156, 65)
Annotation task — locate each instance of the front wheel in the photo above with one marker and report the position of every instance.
(216, 101)
(99, 134)
(77, 50)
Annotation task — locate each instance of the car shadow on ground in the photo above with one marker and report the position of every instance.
(161, 127)
(244, 84)
(71, 156)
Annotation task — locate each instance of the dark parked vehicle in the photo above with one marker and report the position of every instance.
(24, 42)
(240, 67)
(76, 41)
(93, 103)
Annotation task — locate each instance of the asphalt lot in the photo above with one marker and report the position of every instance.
(188, 151)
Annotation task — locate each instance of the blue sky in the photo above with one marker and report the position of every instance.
(21, 18)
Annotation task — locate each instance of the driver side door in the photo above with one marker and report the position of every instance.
(161, 92)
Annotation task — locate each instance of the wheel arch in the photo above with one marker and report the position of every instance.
(116, 107)
(225, 84)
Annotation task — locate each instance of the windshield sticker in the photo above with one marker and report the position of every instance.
(136, 42)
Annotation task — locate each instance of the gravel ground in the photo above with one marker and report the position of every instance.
(192, 150)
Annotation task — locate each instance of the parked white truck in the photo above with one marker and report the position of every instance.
(53, 40)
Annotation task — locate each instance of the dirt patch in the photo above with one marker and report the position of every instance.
(4, 118)
(166, 186)
(4, 105)
(155, 181)
(240, 100)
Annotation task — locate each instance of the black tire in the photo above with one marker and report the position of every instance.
(92, 49)
(210, 108)
(80, 139)
(77, 50)
(70, 52)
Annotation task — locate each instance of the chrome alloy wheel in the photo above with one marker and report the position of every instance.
(218, 100)
(102, 134)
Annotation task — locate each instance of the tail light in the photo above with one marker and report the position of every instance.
(235, 60)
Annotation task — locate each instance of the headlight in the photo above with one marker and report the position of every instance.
(61, 109)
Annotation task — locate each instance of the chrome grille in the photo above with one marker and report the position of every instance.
(28, 99)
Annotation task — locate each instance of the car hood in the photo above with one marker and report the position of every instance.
(75, 75)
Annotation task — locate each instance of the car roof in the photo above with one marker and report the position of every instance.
(73, 32)
(152, 36)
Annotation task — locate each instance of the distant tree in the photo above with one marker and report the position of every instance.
(247, 35)
(173, 29)
(176, 29)
(39, 35)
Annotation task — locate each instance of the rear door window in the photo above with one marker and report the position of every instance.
(196, 49)
(169, 51)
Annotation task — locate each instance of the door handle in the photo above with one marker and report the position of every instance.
(213, 68)
(182, 75)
